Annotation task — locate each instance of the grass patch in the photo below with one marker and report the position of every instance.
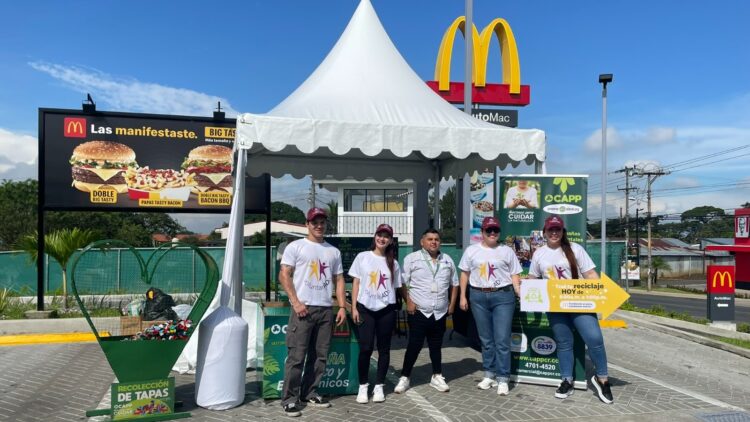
(659, 310)
(670, 289)
(745, 344)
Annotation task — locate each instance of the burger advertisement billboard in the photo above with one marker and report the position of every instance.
(138, 162)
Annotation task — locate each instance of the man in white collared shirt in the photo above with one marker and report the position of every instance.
(430, 290)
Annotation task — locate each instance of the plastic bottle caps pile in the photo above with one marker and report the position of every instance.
(169, 330)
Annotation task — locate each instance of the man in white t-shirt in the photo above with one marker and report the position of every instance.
(521, 196)
(309, 267)
(431, 289)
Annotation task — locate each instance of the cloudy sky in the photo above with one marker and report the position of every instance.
(680, 99)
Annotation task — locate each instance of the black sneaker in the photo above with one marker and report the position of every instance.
(565, 390)
(602, 390)
(318, 401)
(291, 409)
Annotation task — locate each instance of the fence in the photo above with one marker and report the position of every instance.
(18, 274)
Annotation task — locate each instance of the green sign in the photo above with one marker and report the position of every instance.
(524, 203)
(534, 351)
(340, 377)
(142, 399)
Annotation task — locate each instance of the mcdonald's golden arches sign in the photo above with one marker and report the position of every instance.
(720, 279)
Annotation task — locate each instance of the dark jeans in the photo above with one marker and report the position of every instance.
(307, 342)
(380, 325)
(421, 327)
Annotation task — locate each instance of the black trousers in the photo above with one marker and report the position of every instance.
(375, 325)
(421, 327)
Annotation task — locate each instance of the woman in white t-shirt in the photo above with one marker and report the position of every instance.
(562, 259)
(521, 196)
(490, 270)
(376, 275)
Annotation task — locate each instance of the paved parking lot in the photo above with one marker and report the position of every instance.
(655, 376)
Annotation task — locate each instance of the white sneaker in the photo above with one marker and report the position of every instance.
(362, 394)
(487, 383)
(438, 382)
(502, 389)
(377, 394)
(403, 385)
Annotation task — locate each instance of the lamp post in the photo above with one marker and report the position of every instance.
(604, 79)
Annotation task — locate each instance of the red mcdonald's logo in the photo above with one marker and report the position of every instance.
(74, 127)
(720, 279)
(510, 92)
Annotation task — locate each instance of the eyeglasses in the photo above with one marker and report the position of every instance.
(317, 223)
(383, 234)
(492, 230)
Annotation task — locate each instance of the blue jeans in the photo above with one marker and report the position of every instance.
(587, 326)
(493, 315)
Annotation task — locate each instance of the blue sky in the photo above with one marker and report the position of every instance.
(680, 89)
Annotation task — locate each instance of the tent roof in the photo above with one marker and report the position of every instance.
(365, 103)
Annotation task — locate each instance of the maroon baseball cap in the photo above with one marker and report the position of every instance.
(385, 228)
(553, 221)
(490, 222)
(315, 212)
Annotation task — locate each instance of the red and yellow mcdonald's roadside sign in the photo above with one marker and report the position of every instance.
(720, 279)
(510, 92)
(74, 127)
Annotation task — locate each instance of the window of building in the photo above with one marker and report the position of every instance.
(376, 200)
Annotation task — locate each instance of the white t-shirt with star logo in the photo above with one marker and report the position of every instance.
(376, 289)
(551, 263)
(315, 267)
(489, 267)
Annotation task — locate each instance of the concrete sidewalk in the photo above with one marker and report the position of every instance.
(655, 375)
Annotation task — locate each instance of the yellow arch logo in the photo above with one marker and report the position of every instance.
(481, 47)
(722, 275)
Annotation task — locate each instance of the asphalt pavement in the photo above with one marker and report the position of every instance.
(693, 304)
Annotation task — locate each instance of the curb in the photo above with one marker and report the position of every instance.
(693, 332)
(738, 301)
(27, 339)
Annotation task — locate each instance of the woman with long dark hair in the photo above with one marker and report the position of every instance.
(563, 259)
(376, 275)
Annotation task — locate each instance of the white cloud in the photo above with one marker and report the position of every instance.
(18, 155)
(127, 94)
(594, 141)
(660, 135)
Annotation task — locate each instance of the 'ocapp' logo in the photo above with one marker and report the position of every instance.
(74, 127)
(543, 345)
(276, 329)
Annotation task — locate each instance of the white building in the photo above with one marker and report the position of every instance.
(280, 226)
(363, 205)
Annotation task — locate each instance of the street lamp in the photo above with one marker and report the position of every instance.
(604, 79)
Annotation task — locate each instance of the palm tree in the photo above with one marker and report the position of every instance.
(658, 263)
(333, 215)
(60, 245)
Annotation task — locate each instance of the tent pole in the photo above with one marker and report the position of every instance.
(436, 195)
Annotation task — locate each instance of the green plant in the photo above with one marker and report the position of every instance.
(6, 298)
(60, 245)
(658, 263)
(743, 327)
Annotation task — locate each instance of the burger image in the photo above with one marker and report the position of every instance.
(211, 167)
(98, 164)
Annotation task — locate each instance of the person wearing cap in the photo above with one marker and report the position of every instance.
(490, 271)
(563, 259)
(376, 276)
(309, 267)
(430, 291)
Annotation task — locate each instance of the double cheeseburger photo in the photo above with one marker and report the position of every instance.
(99, 164)
(211, 166)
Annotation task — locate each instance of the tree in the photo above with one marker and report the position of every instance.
(60, 245)
(745, 205)
(333, 215)
(448, 215)
(703, 214)
(18, 203)
(132, 228)
(280, 211)
(658, 263)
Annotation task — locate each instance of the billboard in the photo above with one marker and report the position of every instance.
(139, 162)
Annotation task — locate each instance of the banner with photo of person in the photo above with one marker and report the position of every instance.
(524, 202)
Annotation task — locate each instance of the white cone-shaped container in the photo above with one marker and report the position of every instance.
(222, 360)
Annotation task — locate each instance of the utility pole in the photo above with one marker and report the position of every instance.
(311, 198)
(650, 178)
(627, 190)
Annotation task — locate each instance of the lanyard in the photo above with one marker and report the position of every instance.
(428, 261)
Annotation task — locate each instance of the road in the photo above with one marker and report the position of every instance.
(694, 306)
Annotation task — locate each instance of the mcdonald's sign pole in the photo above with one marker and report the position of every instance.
(720, 285)
(604, 79)
(469, 65)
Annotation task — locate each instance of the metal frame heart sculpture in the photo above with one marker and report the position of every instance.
(140, 360)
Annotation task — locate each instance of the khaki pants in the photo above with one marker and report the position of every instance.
(307, 341)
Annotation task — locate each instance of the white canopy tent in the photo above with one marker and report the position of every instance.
(364, 113)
